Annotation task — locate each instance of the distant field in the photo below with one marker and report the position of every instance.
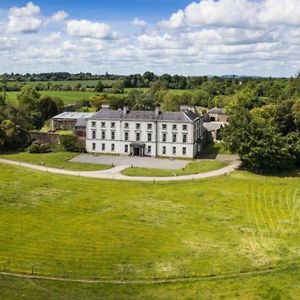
(67, 82)
(69, 97)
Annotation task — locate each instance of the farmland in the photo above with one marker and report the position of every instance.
(85, 228)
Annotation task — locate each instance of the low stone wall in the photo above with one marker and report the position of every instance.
(45, 137)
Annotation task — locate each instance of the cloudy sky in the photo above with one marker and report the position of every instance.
(207, 37)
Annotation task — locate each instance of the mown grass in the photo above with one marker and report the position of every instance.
(86, 228)
(195, 167)
(68, 97)
(276, 285)
(60, 160)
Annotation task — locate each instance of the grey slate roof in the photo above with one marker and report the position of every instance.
(73, 115)
(81, 123)
(217, 110)
(109, 114)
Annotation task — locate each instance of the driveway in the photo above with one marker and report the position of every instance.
(124, 160)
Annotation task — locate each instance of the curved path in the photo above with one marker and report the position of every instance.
(157, 280)
(115, 173)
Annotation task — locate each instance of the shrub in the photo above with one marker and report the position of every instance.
(39, 148)
(71, 143)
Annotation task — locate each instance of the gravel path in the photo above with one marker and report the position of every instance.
(115, 173)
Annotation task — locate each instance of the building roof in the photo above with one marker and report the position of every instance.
(73, 115)
(213, 126)
(81, 123)
(217, 110)
(109, 114)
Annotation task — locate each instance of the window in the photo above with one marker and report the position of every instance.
(113, 135)
(174, 150)
(126, 136)
(184, 138)
(137, 125)
(174, 127)
(149, 126)
(112, 147)
(103, 147)
(149, 149)
(184, 127)
(93, 134)
(103, 135)
(126, 149)
(113, 124)
(174, 138)
(164, 150)
(149, 137)
(164, 137)
(103, 124)
(138, 136)
(126, 125)
(184, 151)
(93, 124)
(164, 126)
(94, 146)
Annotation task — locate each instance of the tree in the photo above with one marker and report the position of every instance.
(118, 87)
(99, 87)
(284, 117)
(47, 107)
(260, 146)
(296, 114)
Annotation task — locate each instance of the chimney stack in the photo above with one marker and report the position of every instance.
(157, 110)
(125, 110)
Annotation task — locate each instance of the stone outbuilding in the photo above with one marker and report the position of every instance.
(217, 115)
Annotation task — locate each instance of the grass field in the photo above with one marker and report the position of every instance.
(69, 97)
(85, 228)
(58, 160)
(192, 168)
(276, 285)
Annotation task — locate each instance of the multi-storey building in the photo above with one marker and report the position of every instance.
(145, 133)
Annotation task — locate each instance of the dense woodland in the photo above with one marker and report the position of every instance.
(264, 113)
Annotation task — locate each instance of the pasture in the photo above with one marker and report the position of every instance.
(83, 228)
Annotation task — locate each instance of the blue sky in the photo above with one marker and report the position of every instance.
(112, 10)
(200, 37)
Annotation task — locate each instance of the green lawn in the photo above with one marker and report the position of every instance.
(85, 228)
(55, 160)
(276, 285)
(195, 167)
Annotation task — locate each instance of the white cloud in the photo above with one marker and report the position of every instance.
(139, 22)
(24, 19)
(280, 12)
(177, 20)
(223, 12)
(85, 28)
(59, 16)
(53, 38)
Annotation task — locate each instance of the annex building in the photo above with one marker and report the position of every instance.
(145, 133)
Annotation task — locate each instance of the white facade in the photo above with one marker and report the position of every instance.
(153, 136)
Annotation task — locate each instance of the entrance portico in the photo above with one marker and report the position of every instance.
(137, 149)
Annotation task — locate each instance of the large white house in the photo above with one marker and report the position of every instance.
(145, 133)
